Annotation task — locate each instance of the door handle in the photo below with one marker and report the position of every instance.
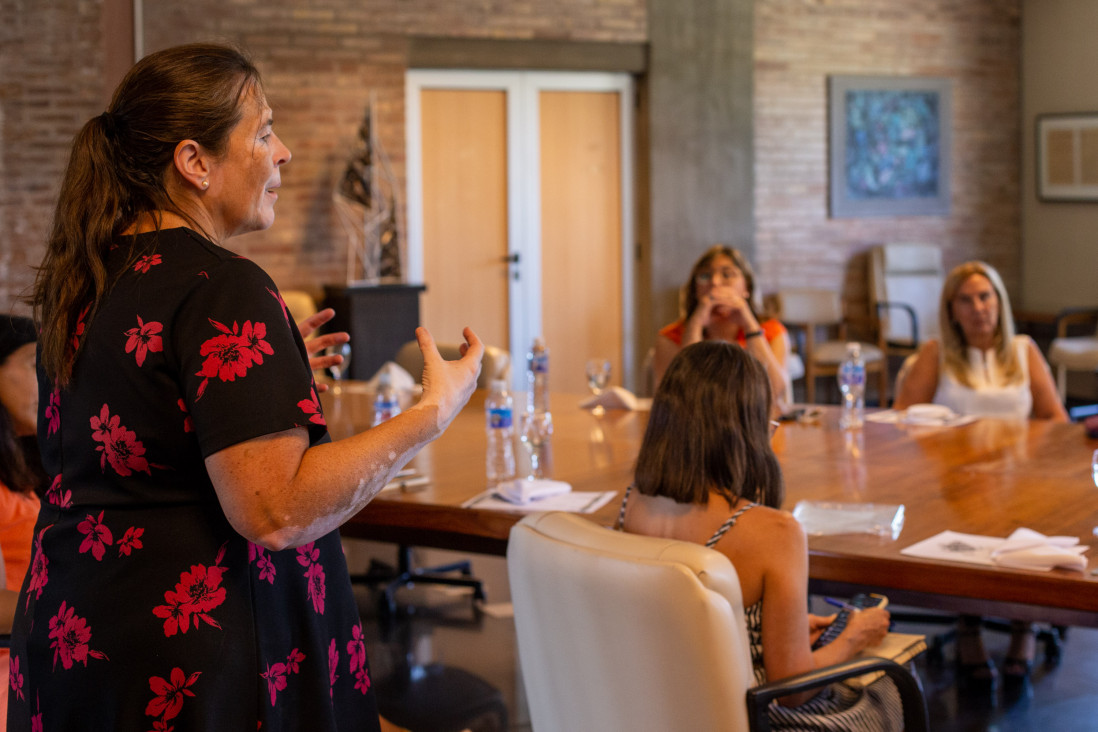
(512, 258)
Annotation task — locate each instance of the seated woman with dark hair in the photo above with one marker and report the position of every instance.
(706, 473)
(717, 304)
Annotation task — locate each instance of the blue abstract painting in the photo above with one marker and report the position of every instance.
(889, 145)
(892, 144)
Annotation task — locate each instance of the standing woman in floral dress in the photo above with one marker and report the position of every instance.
(186, 572)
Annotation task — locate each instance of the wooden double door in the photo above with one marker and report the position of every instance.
(520, 212)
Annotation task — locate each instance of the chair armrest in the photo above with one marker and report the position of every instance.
(888, 305)
(1072, 316)
(911, 693)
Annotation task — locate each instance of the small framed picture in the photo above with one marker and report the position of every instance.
(1067, 157)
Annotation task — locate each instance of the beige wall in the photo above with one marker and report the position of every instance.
(1059, 74)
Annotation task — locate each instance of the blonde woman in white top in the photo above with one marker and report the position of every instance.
(980, 367)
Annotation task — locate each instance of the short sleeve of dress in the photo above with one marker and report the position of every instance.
(243, 364)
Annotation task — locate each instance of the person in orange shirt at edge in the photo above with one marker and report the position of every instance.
(716, 304)
(21, 474)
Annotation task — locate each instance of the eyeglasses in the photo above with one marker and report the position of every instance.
(726, 273)
(774, 425)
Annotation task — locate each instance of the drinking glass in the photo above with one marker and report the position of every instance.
(598, 375)
(534, 433)
(339, 370)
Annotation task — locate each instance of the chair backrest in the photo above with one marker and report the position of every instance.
(495, 365)
(809, 305)
(624, 632)
(911, 275)
(300, 304)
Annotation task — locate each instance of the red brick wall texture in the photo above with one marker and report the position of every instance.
(321, 60)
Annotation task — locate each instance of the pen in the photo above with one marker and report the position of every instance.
(407, 484)
(839, 603)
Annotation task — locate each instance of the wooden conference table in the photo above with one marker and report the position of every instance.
(988, 477)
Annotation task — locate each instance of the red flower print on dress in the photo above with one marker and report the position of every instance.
(308, 556)
(311, 406)
(231, 354)
(197, 593)
(53, 413)
(130, 541)
(266, 567)
(333, 664)
(57, 497)
(97, 537)
(120, 447)
(253, 335)
(39, 575)
(315, 577)
(69, 638)
(81, 326)
(169, 693)
(15, 678)
(356, 650)
(146, 263)
(188, 423)
(277, 675)
(282, 303)
(144, 338)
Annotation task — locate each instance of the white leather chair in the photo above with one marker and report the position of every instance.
(905, 288)
(633, 633)
(495, 365)
(809, 310)
(1077, 353)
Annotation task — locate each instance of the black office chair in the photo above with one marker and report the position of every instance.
(406, 575)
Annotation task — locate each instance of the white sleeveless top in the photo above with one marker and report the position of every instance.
(992, 396)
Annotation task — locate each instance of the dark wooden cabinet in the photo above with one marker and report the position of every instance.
(380, 319)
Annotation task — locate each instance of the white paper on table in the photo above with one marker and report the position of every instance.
(573, 502)
(901, 416)
(1021, 550)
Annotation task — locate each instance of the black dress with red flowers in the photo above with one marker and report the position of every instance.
(144, 609)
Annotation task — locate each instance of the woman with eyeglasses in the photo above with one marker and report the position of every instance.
(706, 473)
(717, 305)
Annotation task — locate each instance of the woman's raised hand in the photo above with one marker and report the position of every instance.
(448, 385)
(316, 347)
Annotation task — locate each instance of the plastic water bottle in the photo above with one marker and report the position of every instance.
(386, 401)
(852, 386)
(537, 377)
(500, 430)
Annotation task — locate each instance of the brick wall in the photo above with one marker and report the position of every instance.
(798, 43)
(320, 62)
(50, 84)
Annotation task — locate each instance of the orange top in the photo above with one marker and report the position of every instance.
(771, 329)
(18, 512)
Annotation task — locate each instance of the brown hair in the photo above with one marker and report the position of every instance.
(688, 296)
(709, 430)
(955, 356)
(117, 170)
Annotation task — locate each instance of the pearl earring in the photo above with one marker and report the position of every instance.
(205, 184)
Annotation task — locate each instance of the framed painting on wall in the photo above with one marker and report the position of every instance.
(889, 146)
(1067, 157)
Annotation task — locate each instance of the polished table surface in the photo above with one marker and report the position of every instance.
(988, 477)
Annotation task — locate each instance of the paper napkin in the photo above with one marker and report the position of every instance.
(616, 397)
(1028, 549)
(528, 490)
(400, 379)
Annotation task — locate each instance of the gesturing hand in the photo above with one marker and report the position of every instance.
(449, 384)
(316, 346)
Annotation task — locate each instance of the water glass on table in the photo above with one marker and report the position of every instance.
(598, 377)
(535, 430)
(339, 371)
